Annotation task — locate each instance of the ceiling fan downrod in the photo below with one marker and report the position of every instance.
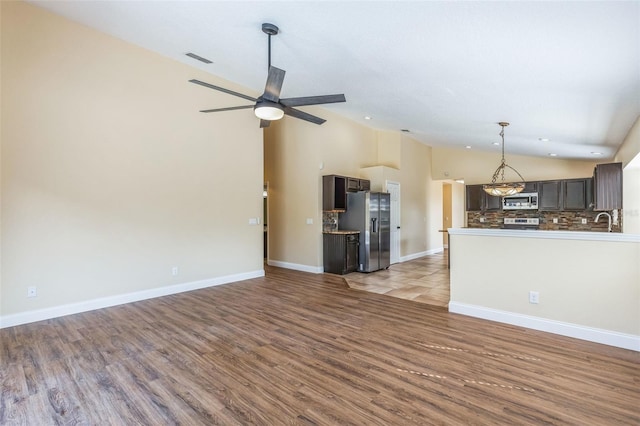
(269, 29)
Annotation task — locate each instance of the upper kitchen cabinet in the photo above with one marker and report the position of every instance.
(607, 183)
(550, 195)
(474, 194)
(577, 194)
(477, 199)
(355, 185)
(334, 193)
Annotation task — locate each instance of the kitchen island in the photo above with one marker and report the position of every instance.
(587, 284)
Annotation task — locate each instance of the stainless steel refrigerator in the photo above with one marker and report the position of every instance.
(369, 213)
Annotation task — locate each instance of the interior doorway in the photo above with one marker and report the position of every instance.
(393, 188)
(447, 214)
(265, 218)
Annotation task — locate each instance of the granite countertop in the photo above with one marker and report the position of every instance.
(341, 232)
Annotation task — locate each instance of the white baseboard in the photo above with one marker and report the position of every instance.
(596, 335)
(421, 254)
(105, 302)
(296, 266)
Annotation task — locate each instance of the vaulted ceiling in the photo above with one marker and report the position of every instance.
(566, 75)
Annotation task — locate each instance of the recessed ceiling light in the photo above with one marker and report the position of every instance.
(366, 117)
(543, 139)
(468, 146)
(460, 180)
(553, 154)
(595, 153)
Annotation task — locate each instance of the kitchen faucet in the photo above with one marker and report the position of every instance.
(608, 215)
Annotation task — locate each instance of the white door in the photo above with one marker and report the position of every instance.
(393, 188)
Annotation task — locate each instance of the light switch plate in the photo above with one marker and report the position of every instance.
(309, 221)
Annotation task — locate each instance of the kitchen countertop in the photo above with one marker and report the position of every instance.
(341, 232)
(560, 235)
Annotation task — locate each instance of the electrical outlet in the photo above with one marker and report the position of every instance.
(584, 221)
(534, 297)
(555, 220)
(32, 291)
(309, 221)
(482, 220)
(174, 271)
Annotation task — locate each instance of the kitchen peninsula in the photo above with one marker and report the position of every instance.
(579, 284)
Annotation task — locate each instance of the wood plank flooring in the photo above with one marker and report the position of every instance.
(303, 349)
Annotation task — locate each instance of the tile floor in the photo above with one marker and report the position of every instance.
(424, 280)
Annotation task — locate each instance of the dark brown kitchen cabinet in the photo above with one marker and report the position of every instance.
(576, 194)
(550, 195)
(340, 253)
(353, 184)
(474, 195)
(334, 193)
(607, 186)
(364, 185)
(491, 202)
(478, 200)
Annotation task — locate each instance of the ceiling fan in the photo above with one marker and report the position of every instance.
(270, 106)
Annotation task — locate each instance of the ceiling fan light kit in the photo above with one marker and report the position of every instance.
(270, 106)
(266, 110)
(502, 188)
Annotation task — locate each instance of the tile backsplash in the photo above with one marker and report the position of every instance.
(329, 221)
(567, 220)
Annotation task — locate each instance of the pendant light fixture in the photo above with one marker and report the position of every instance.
(502, 188)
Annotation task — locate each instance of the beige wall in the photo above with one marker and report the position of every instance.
(602, 293)
(295, 151)
(297, 155)
(110, 176)
(629, 155)
(477, 167)
(630, 147)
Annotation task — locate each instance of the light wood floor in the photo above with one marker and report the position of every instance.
(424, 280)
(303, 349)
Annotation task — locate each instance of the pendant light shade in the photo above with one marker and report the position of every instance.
(500, 188)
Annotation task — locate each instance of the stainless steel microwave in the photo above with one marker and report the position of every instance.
(521, 201)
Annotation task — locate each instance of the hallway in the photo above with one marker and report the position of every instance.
(424, 280)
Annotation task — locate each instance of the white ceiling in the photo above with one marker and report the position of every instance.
(446, 70)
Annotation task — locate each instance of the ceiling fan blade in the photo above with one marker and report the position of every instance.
(227, 109)
(264, 123)
(313, 100)
(222, 89)
(274, 84)
(303, 115)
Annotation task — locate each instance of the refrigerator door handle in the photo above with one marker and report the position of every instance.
(373, 225)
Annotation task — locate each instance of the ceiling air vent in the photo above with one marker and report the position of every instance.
(199, 58)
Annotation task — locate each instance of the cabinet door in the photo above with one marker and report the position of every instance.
(575, 194)
(491, 202)
(353, 184)
(607, 182)
(474, 197)
(549, 195)
(365, 185)
(334, 193)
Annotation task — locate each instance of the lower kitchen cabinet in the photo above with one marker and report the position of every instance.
(340, 252)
